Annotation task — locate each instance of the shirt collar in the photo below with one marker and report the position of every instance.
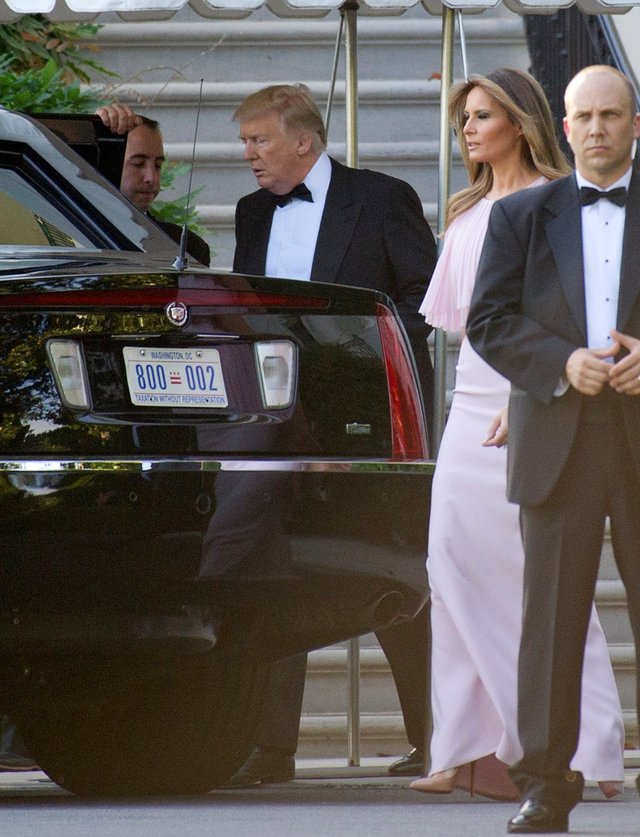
(317, 180)
(625, 180)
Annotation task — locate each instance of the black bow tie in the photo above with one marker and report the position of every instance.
(589, 195)
(299, 191)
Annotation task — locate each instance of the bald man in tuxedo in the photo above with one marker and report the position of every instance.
(556, 310)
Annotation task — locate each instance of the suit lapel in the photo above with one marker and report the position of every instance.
(564, 234)
(259, 222)
(341, 212)
(630, 266)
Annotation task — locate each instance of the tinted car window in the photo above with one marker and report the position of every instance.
(29, 219)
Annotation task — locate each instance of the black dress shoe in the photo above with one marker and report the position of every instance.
(263, 767)
(15, 762)
(410, 765)
(535, 817)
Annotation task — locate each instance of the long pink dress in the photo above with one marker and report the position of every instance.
(476, 561)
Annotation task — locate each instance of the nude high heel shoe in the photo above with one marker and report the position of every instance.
(611, 789)
(442, 782)
(489, 777)
(486, 776)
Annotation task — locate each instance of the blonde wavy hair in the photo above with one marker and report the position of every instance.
(294, 106)
(527, 106)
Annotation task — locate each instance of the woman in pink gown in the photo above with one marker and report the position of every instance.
(476, 560)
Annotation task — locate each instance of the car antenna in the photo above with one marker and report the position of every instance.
(182, 262)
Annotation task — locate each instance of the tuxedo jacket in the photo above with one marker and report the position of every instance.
(373, 234)
(528, 315)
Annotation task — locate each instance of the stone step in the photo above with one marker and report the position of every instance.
(327, 674)
(160, 65)
(382, 734)
(325, 736)
(397, 109)
(267, 49)
(611, 601)
(323, 727)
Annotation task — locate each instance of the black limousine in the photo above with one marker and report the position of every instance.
(200, 472)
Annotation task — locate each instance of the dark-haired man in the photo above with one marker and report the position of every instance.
(142, 168)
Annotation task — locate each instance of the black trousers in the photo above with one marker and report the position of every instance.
(563, 541)
(407, 647)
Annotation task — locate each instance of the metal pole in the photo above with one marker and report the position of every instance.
(334, 74)
(444, 180)
(463, 45)
(353, 702)
(350, 12)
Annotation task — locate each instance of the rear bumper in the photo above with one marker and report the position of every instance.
(186, 553)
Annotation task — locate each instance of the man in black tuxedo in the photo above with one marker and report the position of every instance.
(556, 309)
(313, 218)
(359, 227)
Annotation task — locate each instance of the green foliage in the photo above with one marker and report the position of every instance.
(43, 64)
(44, 90)
(33, 41)
(175, 210)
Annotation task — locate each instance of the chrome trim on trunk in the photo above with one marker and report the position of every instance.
(421, 466)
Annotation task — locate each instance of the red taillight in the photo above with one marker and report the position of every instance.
(159, 297)
(408, 429)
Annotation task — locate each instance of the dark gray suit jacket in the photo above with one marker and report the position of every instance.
(528, 315)
(373, 234)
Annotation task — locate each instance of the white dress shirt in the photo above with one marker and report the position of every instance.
(602, 236)
(295, 227)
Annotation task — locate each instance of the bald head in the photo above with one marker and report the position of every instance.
(601, 123)
(604, 72)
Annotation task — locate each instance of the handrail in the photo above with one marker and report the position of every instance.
(618, 53)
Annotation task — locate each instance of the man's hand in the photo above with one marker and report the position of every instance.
(118, 118)
(624, 376)
(587, 370)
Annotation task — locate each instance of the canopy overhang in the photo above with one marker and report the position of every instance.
(69, 10)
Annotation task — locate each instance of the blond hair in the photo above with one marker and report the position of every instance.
(294, 105)
(527, 106)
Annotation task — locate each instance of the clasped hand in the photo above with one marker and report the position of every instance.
(590, 370)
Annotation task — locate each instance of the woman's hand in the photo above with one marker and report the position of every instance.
(498, 430)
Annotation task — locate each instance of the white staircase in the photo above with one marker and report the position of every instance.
(398, 64)
(323, 727)
(398, 59)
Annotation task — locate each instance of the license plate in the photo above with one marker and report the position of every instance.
(174, 377)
